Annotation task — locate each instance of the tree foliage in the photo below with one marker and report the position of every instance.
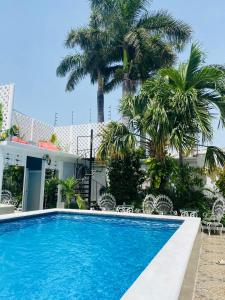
(172, 111)
(125, 177)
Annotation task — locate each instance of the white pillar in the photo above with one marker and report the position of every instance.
(1, 171)
(25, 188)
(60, 204)
(42, 189)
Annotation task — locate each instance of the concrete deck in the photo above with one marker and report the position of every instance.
(210, 281)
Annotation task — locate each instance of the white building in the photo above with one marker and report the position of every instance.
(74, 142)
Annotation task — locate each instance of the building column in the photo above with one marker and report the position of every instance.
(42, 189)
(60, 204)
(1, 171)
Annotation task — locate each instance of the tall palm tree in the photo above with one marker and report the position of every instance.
(196, 91)
(172, 108)
(144, 40)
(94, 59)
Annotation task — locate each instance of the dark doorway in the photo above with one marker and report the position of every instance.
(51, 189)
(33, 184)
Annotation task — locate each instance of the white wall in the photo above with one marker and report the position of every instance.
(68, 170)
(34, 188)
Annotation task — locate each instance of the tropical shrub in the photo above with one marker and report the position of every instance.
(220, 181)
(183, 184)
(125, 177)
(13, 181)
(72, 199)
(158, 173)
(51, 189)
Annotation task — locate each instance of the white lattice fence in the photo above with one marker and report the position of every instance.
(24, 124)
(76, 139)
(73, 139)
(41, 131)
(6, 98)
(32, 130)
(63, 137)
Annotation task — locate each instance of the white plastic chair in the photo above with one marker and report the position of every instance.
(212, 222)
(149, 204)
(107, 202)
(125, 208)
(164, 206)
(6, 197)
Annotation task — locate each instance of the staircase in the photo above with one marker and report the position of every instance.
(85, 172)
(83, 188)
(83, 177)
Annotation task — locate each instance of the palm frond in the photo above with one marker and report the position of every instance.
(117, 140)
(174, 76)
(194, 63)
(69, 63)
(161, 22)
(215, 157)
(206, 77)
(74, 77)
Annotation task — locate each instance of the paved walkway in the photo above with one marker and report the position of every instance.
(210, 281)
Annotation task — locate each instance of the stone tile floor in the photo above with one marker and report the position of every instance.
(210, 281)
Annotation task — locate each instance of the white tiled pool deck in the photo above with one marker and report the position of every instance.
(163, 277)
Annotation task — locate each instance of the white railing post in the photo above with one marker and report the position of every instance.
(32, 130)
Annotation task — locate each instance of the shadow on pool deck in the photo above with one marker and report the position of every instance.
(210, 280)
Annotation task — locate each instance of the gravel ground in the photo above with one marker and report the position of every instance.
(210, 281)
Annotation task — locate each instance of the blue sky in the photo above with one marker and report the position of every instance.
(32, 33)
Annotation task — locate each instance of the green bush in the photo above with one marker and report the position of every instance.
(13, 177)
(125, 177)
(183, 184)
(220, 182)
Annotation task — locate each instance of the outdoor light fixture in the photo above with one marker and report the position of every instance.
(47, 158)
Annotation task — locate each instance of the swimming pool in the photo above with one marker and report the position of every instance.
(73, 256)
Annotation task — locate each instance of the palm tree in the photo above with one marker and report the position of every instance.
(196, 91)
(68, 191)
(95, 59)
(172, 109)
(145, 41)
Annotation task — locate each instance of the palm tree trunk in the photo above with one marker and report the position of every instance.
(143, 140)
(126, 88)
(126, 80)
(100, 99)
(181, 159)
(126, 85)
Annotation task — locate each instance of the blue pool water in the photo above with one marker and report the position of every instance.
(71, 256)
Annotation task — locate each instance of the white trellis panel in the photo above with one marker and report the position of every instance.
(32, 130)
(63, 137)
(6, 98)
(41, 131)
(24, 124)
(76, 139)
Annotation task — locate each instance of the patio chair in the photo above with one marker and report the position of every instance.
(189, 213)
(212, 221)
(149, 204)
(125, 208)
(6, 197)
(164, 206)
(107, 202)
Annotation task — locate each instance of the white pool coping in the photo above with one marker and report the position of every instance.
(162, 279)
